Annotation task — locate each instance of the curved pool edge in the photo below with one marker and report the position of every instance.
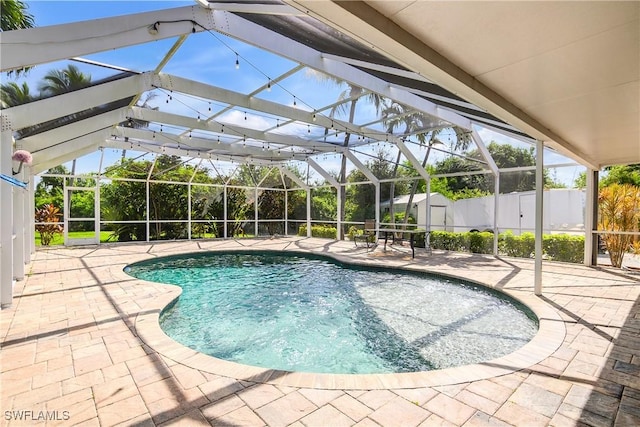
(550, 335)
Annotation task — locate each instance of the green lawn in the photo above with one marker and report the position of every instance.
(58, 239)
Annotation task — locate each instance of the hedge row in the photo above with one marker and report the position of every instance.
(556, 247)
(319, 231)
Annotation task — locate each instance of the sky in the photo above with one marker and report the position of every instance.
(215, 64)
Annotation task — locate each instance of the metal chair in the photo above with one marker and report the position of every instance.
(368, 235)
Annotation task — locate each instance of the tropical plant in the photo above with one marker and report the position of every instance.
(619, 206)
(419, 124)
(57, 82)
(348, 97)
(12, 94)
(48, 224)
(14, 16)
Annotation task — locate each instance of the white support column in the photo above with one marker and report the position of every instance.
(309, 212)
(339, 202)
(6, 220)
(286, 212)
(29, 223)
(377, 185)
(96, 207)
(591, 219)
(18, 229)
(147, 210)
(224, 209)
(189, 210)
(537, 287)
(428, 199)
(255, 212)
(496, 210)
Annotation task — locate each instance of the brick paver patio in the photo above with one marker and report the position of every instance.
(81, 346)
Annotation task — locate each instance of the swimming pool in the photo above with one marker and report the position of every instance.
(306, 313)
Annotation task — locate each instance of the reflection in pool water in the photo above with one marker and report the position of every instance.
(306, 313)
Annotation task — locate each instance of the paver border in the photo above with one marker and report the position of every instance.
(548, 339)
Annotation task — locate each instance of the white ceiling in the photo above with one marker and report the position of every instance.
(565, 72)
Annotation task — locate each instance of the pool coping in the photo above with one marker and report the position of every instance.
(550, 336)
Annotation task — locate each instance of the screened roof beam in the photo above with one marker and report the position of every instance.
(21, 48)
(66, 133)
(240, 100)
(295, 178)
(222, 128)
(118, 144)
(255, 8)
(326, 175)
(199, 147)
(249, 32)
(412, 159)
(59, 154)
(361, 167)
(484, 152)
(55, 107)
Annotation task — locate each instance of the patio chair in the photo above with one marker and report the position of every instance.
(369, 234)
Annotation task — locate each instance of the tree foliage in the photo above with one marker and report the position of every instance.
(12, 94)
(169, 202)
(14, 15)
(360, 199)
(621, 174)
(505, 156)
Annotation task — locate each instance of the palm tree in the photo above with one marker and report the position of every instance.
(14, 16)
(354, 94)
(393, 116)
(12, 94)
(57, 82)
(397, 115)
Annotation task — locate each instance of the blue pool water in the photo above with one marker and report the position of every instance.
(303, 313)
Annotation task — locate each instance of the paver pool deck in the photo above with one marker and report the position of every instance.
(81, 345)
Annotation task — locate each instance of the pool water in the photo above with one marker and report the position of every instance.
(304, 313)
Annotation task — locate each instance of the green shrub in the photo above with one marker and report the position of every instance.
(556, 247)
(564, 247)
(522, 246)
(319, 231)
(481, 243)
(475, 242)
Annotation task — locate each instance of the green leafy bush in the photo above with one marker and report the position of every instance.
(522, 246)
(447, 240)
(481, 242)
(556, 247)
(319, 231)
(564, 247)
